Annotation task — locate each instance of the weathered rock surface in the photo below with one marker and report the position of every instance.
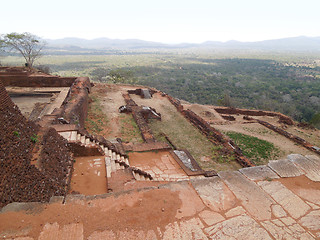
(214, 193)
(258, 173)
(285, 168)
(241, 227)
(311, 167)
(287, 199)
(255, 200)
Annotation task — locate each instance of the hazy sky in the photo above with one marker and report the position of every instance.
(169, 21)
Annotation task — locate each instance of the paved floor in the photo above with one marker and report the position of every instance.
(254, 203)
(160, 165)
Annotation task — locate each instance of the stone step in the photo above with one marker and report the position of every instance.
(79, 137)
(285, 168)
(117, 165)
(113, 165)
(73, 136)
(108, 166)
(83, 139)
(294, 205)
(87, 141)
(142, 178)
(106, 151)
(66, 135)
(258, 173)
(311, 167)
(136, 176)
(314, 158)
(253, 198)
(214, 193)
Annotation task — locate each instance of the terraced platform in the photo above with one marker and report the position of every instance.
(253, 203)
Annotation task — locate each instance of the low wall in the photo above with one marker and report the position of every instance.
(75, 108)
(282, 118)
(292, 137)
(211, 133)
(26, 77)
(217, 137)
(37, 81)
(136, 111)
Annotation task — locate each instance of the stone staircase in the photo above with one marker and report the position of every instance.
(113, 160)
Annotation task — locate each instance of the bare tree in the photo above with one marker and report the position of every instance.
(27, 44)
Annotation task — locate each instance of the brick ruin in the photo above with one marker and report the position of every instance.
(36, 162)
(36, 158)
(211, 133)
(22, 142)
(16, 76)
(284, 133)
(141, 116)
(217, 137)
(233, 111)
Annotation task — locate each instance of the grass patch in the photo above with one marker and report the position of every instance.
(182, 134)
(96, 119)
(257, 150)
(185, 136)
(220, 156)
(130, 131)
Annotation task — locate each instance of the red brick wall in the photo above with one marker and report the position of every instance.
(76, 109)
(37, 81)
(5, 100)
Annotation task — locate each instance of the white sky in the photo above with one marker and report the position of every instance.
(169, 21)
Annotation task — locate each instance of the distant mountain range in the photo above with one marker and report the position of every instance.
(285, 44)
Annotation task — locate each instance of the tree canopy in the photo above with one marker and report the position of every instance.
(27, 44)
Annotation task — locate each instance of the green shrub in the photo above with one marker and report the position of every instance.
(34, 138)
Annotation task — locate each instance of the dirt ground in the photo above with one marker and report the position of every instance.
(119, 125)
(180, 132)
(184, 135)
(205, 111)
(132, 211)
(89, 176)
(310, 135)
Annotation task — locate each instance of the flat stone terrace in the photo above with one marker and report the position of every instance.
(278, 201)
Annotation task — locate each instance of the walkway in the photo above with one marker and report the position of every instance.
(277, 201)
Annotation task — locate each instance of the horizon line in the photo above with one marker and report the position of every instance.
(177, 43)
